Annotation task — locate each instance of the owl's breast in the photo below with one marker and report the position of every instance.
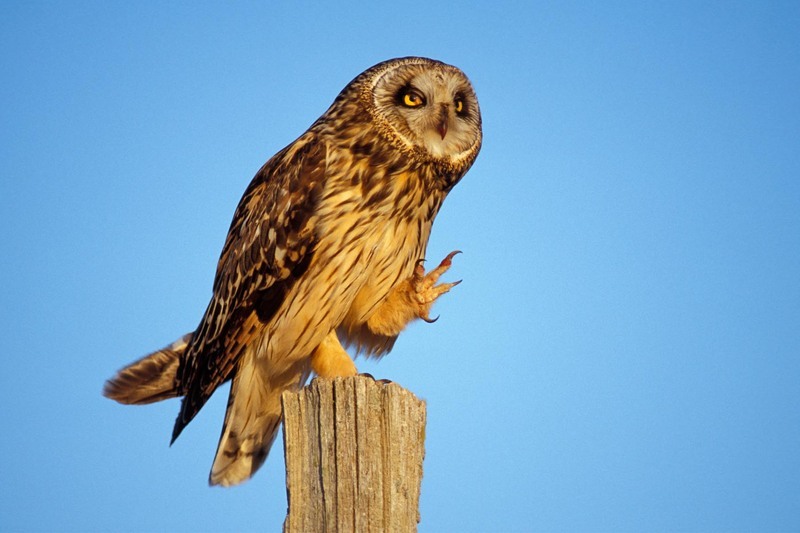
(390, 259)
(375, 217)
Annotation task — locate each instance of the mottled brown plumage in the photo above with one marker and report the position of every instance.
(324, 249)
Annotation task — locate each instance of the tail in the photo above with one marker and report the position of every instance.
(150, 379)
(252, 419)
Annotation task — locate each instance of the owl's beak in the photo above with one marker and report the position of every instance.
(442, 126)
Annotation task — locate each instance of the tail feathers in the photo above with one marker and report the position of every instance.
(151, 378)
(252, 420)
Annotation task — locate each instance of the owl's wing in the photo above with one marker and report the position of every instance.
(268, 247)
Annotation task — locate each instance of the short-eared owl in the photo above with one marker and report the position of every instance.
(324, 249)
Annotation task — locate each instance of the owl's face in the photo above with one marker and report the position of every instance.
(430, 106)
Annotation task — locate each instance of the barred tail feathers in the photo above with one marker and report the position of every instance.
(252, 419)
(151, 378)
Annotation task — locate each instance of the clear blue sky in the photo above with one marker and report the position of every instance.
(624, 352)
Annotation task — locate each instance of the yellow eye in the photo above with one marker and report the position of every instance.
(459, 105)
(412, 99)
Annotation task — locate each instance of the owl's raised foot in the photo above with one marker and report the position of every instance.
(425, 289)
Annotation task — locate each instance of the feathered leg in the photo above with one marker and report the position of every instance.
(330, 360)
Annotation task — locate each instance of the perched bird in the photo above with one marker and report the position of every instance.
(325, 249)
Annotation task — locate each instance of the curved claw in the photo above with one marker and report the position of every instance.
(429, 320)
(447, 261)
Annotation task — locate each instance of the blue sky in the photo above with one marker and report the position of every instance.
(624, 351)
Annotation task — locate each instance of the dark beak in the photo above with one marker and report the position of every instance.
(442, 126)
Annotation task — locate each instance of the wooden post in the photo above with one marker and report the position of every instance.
(354, 449)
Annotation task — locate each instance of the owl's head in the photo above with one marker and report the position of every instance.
(426, 106)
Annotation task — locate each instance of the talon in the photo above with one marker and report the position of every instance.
(367, 375)
(450, 256)
(425, 288)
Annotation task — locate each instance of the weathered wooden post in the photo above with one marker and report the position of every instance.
(354, 449)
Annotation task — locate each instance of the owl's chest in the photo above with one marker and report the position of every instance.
(388, 257)
(375, 227)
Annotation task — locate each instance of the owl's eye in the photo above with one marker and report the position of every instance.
(459, 102)
(412, 98)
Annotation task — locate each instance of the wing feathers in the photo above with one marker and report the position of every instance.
(269, 243)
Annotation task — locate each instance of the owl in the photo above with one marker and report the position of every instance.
(324, 252)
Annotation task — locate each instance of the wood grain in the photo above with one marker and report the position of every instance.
(354, 449)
